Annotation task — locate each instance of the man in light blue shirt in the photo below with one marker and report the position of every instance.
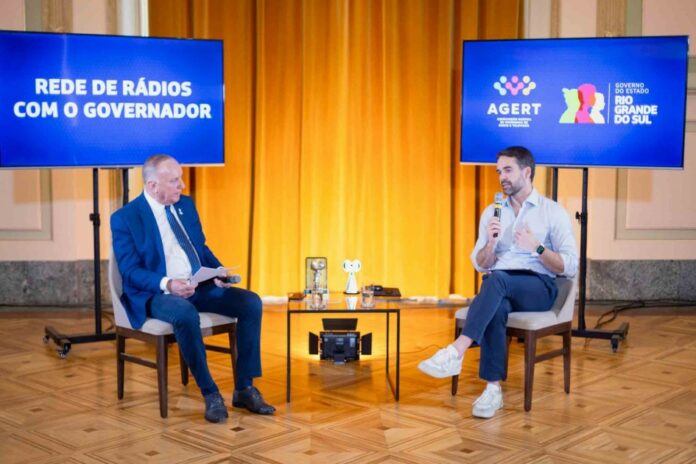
(522, 252)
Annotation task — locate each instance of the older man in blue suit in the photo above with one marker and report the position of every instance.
(159, 243)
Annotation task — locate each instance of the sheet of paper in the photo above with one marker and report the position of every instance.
(207, 273)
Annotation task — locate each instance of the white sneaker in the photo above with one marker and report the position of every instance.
(445, 363)
(489, 402)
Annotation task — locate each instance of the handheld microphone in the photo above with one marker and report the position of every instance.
(231, 279)
(498, 211)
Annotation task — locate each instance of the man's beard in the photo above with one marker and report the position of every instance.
(511, 189)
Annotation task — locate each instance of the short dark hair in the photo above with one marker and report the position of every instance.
(523, 156)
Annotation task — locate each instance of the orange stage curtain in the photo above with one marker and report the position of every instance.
(341, 127)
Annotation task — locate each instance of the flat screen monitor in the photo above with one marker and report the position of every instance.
(76, 100)
(594, 102)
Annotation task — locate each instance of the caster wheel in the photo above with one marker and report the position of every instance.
(615, 343)
(63, 353)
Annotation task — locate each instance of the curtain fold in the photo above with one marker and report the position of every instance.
(341, 127)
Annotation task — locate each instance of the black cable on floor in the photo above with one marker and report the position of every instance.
(662, 303)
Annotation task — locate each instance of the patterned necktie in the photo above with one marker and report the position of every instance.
(183, 240)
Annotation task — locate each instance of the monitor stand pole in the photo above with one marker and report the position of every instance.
(616, 335)
(64, 341)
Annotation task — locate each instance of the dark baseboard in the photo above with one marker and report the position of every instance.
(641, 279)
(51, 283)
(71, 283)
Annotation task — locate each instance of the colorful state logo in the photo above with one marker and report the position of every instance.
(584, 105)
(514, 85)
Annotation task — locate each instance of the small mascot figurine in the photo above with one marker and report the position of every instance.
(351, 267)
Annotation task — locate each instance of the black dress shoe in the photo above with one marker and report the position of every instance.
(215, 410)
(251, 399)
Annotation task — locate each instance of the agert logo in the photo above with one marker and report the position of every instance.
(515, 87)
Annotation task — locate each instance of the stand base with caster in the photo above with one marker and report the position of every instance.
(64, 342)
(615, 336)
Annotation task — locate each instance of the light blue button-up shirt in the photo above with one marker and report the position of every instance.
(549, 223)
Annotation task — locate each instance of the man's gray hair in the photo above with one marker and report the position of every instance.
(151, 164)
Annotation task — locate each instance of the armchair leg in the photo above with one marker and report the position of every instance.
(184, 368)
(507, 356)
(162, 374)
(529, 361)
(455, 378)
(455, 384)
(232, 336)
(566, 360)
(120, 363)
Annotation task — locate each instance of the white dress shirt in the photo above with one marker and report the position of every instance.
(549, 223)
(178, 264)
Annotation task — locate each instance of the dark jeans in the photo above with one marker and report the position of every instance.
(236, 302)
(501, 293)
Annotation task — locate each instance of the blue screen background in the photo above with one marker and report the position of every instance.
(81, 141)
(660, 63)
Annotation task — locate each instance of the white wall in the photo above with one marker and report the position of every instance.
(46, 213)
(633, 214)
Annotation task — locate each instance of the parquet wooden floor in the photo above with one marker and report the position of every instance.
(634, 406)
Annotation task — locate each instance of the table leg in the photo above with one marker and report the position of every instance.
(394, 385)
(388, 377)
(398, 352)
(287, 370)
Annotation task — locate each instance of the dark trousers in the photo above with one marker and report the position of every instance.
(501, 293)
(236, 302)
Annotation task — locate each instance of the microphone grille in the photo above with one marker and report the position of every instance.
(498, 197)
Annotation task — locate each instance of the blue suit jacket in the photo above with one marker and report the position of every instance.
(140, 255)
